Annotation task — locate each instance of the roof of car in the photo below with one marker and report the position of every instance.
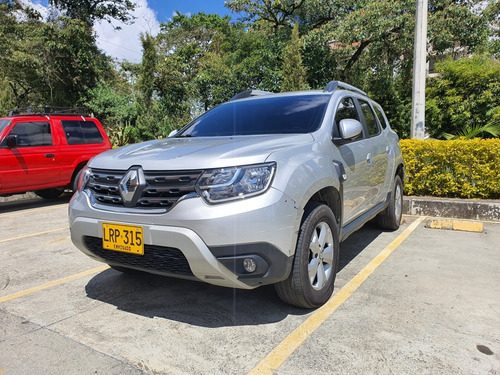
(47, 111)
(331, 87)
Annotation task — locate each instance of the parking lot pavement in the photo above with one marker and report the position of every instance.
(429, 306)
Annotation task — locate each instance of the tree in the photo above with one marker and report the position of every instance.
(146, 81)
(90, 11)
(276, 12)
(370, 43)
(464, 98)
(294, 73)
(48, 63)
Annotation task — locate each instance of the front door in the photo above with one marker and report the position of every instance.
(33, 163)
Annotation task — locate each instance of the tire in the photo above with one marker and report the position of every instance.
(310, 283)
(51, 193)
(390, 218)
(74, 183)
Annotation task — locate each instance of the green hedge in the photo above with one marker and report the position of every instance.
(459, 168)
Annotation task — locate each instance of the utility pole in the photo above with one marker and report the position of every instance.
(419, 72)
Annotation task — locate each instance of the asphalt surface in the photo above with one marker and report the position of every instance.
(415, 301)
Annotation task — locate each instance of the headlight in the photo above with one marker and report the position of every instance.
(224, 184)
(83, 179)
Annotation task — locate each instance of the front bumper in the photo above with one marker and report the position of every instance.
(199, 241)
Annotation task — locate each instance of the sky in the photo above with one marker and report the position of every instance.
(125, 44)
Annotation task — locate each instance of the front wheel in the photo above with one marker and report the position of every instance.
(310, 283)
(51, 193)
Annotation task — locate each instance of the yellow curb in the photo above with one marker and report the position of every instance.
(466, 226)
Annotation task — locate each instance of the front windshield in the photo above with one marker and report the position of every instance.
(269, 115)
(3, 125)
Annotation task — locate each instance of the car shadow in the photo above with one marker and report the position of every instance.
(205, 305)
(36, 202)
(191, 302)
(357, 242)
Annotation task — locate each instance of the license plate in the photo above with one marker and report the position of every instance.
(125, 238)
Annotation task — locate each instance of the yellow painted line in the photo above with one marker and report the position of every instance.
(466, 226)
(33, 210)
(52, 283)
(33, 234)
(293, 341)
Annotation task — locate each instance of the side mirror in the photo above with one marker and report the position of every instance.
(172, 133)
(350, 128)
(11, 141)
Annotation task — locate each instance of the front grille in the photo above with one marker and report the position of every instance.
(163, 188)
(158, 258)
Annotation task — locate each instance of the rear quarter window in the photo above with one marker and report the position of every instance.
(81, 132)
(380, 116)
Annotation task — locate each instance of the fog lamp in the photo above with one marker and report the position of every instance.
(250, 265)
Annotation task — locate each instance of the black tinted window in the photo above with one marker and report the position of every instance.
(81, 132)
(282, 115)
(371, 123)
(32, 134)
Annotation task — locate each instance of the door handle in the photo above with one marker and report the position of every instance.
(369, 159)
(48, 156)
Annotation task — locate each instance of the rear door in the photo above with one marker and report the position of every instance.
(356, 158)
(379, 156)
(32, 164)
(83, 140)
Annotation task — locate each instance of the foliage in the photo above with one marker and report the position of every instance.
(473, 131)
(199, 61)
(294, 73)
(89, 11)
(116, 111)
(458, 168)
(465, 95)
(48, 63)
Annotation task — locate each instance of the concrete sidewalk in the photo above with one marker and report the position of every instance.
(471, 209)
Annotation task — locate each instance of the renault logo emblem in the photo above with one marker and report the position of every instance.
(131, 186)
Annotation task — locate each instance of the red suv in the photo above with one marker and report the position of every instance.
(43, 150)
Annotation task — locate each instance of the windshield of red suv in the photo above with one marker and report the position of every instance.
(269, 115)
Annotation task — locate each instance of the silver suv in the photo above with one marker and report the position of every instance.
(259, 190)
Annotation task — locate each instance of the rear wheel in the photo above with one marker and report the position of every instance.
(390, 218)
(51, 193)
(310, 283)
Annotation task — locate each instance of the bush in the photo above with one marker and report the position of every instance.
(458, 168)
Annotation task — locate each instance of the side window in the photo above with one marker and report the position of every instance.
(345, 110)
(381, 118)
(371, 123)
(32, 134)
(81, 132)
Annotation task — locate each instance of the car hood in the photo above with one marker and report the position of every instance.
(197, 153)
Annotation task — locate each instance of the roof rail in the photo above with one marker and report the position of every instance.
(335, 85)
(67, 111)
(249, 93)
